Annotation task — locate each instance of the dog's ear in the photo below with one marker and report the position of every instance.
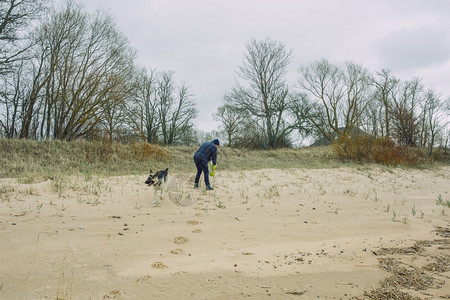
(151, 171)
(167, 169)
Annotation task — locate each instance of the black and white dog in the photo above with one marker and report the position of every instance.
(159, 182)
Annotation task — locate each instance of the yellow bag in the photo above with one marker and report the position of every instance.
(213, 170)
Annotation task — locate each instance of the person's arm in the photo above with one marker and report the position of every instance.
(214, 156)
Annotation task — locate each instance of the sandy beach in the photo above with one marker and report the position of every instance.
(340, 233)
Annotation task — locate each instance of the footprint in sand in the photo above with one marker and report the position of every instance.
(177, 251)
(114, 294)
(180, 240)
(192, 222)
(158, 265)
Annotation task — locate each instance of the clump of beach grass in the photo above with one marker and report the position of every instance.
(440, 201)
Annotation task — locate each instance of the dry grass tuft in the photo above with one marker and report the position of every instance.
(417, 248)
(410, 278)
(405, 276)
(444, 232)
(146, 152)
(388, 294)
(440, 265)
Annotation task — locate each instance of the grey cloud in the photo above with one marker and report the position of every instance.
(412, 49)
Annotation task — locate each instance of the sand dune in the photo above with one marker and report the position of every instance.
(291, 234)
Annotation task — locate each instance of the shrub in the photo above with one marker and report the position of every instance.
(144, 151)
(99, 150)
(363, 148)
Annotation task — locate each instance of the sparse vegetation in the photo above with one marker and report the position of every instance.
(219, 204)
(54, 159)
(271, 192)
(5, 193)
(349, 192)
(64, 207)
(441, 201)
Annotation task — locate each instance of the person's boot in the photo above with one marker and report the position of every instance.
(209, 188)
(196, 186)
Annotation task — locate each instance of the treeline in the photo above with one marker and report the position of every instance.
(74, 75)
(329, 101)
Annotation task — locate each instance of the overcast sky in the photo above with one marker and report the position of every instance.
(203, 41)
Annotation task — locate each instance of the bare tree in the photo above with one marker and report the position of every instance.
(166, 100)
(434, 115)
(358, 82)
(405, 113)
(142, 105)
(373, 119)
(232, 120)
(113, 118)
(301, 108)
(15, 15)
(384, 85)
(266, 95)
(324, 81)
(86, 65)
(182, 115)
(341, 95)
(30, 103)
(11, 103)
(176, 109)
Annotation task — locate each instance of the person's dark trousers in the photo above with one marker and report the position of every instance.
(202, 166)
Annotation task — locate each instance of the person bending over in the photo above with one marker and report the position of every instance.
(207, 152)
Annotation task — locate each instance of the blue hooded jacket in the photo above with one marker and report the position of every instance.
(208, 151)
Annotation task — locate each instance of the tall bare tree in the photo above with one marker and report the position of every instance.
(176, 109)
(114, 116)
(324, 81)
(11, 102)
(405, 112)
(143, 104)
(341, 95)
(302, 111)
(435, 117)
(265, 95)
(358, 83)
(373, 119)
(87, 62)
(384, 84)
(232, 120)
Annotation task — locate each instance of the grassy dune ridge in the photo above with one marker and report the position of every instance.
(32, 160)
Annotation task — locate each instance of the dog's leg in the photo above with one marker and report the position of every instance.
(162, 189)
(155, 195)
